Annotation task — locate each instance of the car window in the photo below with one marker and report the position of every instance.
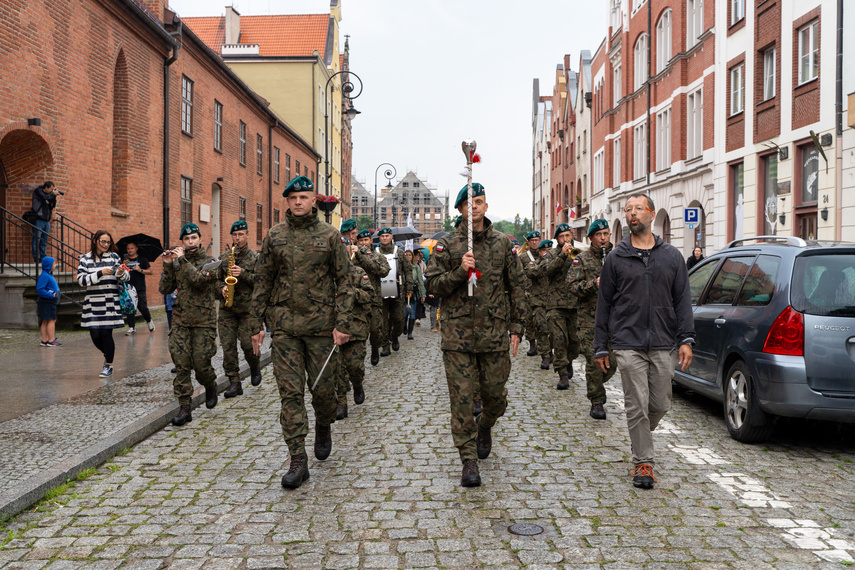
(699, 277)
(760, 284)
(728, 280)
(824, 285)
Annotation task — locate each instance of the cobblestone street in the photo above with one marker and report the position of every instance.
(208, 495)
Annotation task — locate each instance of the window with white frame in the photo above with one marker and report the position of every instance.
(640, 61)
(218, 126)
(809, 52)
(186, 105)
(663, 139)
(737, 11)
(276, 165)
(617, 83)
(616, 162)
(695, 124)
(615, 15)
(737, 89)
(242, 145)
(768, 74)
(259, 153)
(640, 154)
(694, 22)
(599, 171)
(663, 41)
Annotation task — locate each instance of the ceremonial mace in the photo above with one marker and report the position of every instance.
(468, 147)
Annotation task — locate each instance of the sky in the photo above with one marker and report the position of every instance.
(438, 72)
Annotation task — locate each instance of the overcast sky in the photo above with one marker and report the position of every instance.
(440, 71)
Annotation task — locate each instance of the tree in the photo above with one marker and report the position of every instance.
(448, 224)
(364, 223)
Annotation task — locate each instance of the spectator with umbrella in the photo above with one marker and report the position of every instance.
(139, 266)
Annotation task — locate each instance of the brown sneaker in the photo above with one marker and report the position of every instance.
(642, 476)
(297, 472)
(470, 476)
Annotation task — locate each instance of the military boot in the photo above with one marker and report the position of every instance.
(563, 382)
(598, 412)
(546, 362)
(298, 471)
(183, 417)
(358, 394)
(476, 407)
(323, 441)
(375, 356)
(255, 377)
(385, 351)
(395, 344)
(234, 389)
(410, 326)
(532, 348)
(484, 441)
(470, 476)
(211, 395)
(341, 411)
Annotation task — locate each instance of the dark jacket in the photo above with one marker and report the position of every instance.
(43, 203)
(643, 307)
(691, 262)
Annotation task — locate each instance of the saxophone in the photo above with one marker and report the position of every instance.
(230, 280)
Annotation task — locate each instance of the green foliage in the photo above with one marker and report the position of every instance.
(364, 223)
(518, 228)
(448, 224)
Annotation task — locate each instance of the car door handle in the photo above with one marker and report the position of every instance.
(720, 321)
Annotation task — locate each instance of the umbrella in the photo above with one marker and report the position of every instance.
(438, 235)
(401, 233)
(148, 246)
(429, 244)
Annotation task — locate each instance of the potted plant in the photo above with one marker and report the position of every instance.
(326, 203)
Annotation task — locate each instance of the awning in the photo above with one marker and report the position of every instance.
(580, 223)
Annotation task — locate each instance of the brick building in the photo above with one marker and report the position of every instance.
(562, 144)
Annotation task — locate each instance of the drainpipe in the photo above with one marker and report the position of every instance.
(838, 107)
(649, 52)
(270, 173)
(169, 61)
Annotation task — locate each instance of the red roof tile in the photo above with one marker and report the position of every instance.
(283, 35)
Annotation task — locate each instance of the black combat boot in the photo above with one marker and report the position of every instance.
(484, 441)
(532, 348)
(341, 412)
(255, 377)
(234, 389)
(410, 326)
(470, 476)
(211, 395)
(323, 441)
(385, 351)
(358, 394)
(546, 362)
(183, 417)
(395, 344)
(297, 472)
(563, 382)
(476, 407)
(598, 412)
(375, 356)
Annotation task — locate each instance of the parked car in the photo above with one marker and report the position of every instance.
(775, 324)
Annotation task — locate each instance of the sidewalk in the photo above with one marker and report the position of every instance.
(58, 418)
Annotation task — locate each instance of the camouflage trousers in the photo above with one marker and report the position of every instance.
(192, 348)
(233, 327)
(565, 339)
(393, 318)
(351, 367)
(539, 330)
(295, 357)
(594, 377)
(378, 331)
(463, 371)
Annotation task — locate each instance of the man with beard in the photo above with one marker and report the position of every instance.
(393, 307)
(376, 266)
(645, 308)
(561, 305)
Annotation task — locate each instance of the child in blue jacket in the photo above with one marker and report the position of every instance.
(48, 290)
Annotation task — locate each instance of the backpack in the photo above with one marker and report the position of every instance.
(30, 217)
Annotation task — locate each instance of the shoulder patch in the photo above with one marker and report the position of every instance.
(365, 277)
(440, 248)
(342, 239)
(576, 261)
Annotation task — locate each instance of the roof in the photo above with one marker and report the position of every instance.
(277, 36)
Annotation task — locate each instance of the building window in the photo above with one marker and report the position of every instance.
(259, 153)
(297, 166)
(218, 126)
(617, 81)
(306, 173)
(276, 165)
(287, 168)
(186, 200)
(737, 89)
(186, 105)
(242, 208)
(599, 171)
(615, 15)
(259, 223)
(663, 139)
(695, 125)
(640, 61)
(405, 184)
(616, 162)
(737, 11)
(640, 154)
(242, 150)
(415, 184)
(663, 41)
(768, 74)
(769, 199)
(275, 215)
(737, 185)
(809, 52)
(810, 174)
(695, 22)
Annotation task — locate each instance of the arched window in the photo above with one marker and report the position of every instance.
(640, 61)
(663, 41)
(121, 164)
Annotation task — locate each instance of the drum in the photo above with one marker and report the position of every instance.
(389, 284)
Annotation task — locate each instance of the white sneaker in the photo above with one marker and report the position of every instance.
(151, 326)
(130, 331)
(107, 372)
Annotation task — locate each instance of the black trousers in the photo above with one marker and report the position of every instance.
(103, 341)
(142, 307)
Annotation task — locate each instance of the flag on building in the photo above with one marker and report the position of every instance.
(557, 208)
(572, 212)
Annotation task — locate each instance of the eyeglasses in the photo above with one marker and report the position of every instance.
(636, 209)
(105, 241)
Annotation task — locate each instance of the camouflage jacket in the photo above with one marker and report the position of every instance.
(195, 305)
(558, 265)
(244, 258)
(582, 280)
(405, 273)
(376, 266)
(301, 282)
(537, 282)
(363, 299)
(498, 307)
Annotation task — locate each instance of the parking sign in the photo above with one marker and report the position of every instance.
(692, 215)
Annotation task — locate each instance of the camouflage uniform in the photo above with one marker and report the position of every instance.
(352, 361)
(475, 332)
(376, 266)
(537, 326)
(233, 322)
(302, 292)
(393, 309)
(193, 337)
(582, 280)
(561, 307)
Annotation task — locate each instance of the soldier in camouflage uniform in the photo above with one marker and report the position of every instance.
(193, 336)
(233, 322)
(561, 305)
(477, 332)
(584, 281)
(393, 308)
(536, 282)
(376, 266)
(302, 291)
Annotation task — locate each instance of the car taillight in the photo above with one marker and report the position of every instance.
(787, 335)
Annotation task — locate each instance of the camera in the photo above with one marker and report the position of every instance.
(60, 192)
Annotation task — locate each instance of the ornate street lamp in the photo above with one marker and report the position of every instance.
(347, 89)
(388, 174)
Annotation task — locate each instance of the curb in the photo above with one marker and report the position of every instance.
(24, 495)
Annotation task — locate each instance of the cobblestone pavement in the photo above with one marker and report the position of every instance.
(208, 495)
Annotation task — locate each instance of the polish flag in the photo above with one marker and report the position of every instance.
(557, 208)
(572, 212)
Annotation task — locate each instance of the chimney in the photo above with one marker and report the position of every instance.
(156, 8)
(232, 25)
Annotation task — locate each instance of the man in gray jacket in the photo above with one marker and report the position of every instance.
(645, 307)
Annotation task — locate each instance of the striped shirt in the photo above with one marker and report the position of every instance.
(101, 306)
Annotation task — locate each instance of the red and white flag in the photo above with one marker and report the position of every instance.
(572, 212)
(558, 208)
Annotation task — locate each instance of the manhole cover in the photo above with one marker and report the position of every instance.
(525, 529)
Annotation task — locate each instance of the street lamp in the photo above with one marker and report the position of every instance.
(347, 88)
(389, 174)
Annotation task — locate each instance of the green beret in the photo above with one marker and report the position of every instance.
(457, 221)
(345, 241)
(533, 234)
(347, 225)
(384, 231)
(189, 228)
(561, 229)
(545, 244)
(299, 184)
(363, 234)
(598, 225)
(462, 196)
(515, 242)
(238, 226)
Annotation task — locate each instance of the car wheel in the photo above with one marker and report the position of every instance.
(741, 411)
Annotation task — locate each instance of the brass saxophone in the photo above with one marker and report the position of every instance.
(230, 280)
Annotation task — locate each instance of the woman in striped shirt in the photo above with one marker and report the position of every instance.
(99, 271)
